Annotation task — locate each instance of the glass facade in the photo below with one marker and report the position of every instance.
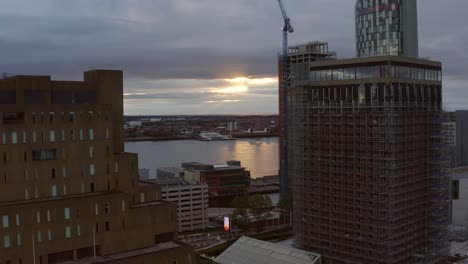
(373, 72)
(386, 27)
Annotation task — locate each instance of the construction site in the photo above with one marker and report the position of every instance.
(365, 157)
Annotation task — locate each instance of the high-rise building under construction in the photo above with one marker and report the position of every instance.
(366, 159)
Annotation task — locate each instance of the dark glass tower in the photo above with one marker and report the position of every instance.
(386, 27)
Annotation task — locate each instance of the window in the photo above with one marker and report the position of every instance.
(71, 116)
(91, 134)
(81, 134)
(38, 217)
(64, 189)
(91, 187)
(5, 221)
(107, 226)
(18, 239)
(78, 230)
(14, 137)
(44, 154)
(107, 133)
(49, 234)
(54, 190)
(17, 220)
(123, 205)
(4, 139)
(142, 197)
(6, 241)
(68, 232)
(116, 167)
(39, 236)
(24, 137)
(63, 135)
(52, 136)
(96, 208)
(52, 173)
(91, 170)
(107, 208)
(67, 213)
(48, 215)
(34, 136)
(64, 172)
(91, 152)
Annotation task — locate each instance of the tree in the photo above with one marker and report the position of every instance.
(260, 208)
(241, 212)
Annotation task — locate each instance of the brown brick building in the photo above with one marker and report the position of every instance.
(68, 190)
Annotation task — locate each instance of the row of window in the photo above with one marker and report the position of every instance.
(66, 213)
(40, 137)
(372, 72)
(56, 97)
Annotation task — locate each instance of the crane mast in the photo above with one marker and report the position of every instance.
(284, 85)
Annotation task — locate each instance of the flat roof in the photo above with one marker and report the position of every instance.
(364, 60)
(248, 250)
(125, 255)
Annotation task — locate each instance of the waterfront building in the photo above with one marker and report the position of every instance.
(69, 191)
(387, 27)
(191, 199)
(367, 160)
(225, 180)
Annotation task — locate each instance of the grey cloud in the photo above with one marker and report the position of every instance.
(199, 39)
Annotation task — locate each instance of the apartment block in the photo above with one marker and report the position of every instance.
(68, 189)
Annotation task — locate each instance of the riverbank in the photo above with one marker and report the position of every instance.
(177, 138)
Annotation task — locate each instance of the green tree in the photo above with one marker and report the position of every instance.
(260, 208)
(240, 216)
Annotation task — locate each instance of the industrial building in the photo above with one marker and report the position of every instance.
(387, 27)
(367, 159)
(191, 199)
(69, 191)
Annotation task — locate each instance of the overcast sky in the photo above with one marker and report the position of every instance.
(203, 56)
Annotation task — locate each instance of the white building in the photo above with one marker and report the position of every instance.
(191, 199)
(450, 135)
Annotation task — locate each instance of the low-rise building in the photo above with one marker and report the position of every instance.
(191, 199)
(248, 250)
(226, 180)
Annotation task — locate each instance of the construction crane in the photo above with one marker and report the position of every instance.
(287, 29)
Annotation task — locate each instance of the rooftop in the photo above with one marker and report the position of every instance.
(248, 251)
(125, 255)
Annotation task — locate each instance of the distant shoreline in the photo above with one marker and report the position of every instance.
(155, 139)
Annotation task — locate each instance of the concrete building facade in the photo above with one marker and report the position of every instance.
(68, 190)
(191, 199)
(387, 27)
(367, 160)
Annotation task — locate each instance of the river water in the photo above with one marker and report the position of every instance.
(259, 156)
